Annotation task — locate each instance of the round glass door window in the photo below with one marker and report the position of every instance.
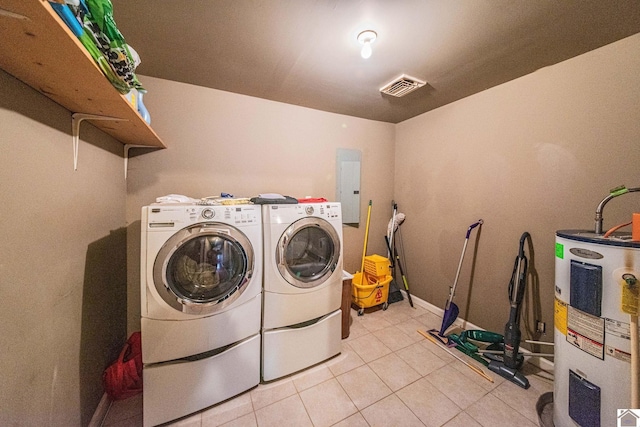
(308, 252)
(203, 266)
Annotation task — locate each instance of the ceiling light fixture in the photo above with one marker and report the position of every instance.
(366, 38)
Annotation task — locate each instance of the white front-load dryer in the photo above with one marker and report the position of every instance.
(201, 306)
(302, 286)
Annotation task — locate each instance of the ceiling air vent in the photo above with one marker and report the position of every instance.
(402, 86)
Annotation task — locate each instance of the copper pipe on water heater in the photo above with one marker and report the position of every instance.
(618, 191)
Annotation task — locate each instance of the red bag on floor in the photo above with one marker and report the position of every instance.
(123, 378)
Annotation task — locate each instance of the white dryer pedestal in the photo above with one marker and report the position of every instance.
(294, 348)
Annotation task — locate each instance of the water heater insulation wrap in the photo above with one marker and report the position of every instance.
(592, 332)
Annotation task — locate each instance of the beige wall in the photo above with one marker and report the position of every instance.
(62, 262)
(223, 142)
(536, 154)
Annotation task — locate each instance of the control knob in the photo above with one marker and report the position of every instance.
(208, 213)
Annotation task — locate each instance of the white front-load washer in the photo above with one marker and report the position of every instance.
(201, 306)
(301, 324)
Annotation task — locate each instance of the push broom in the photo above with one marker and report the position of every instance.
(451, 310)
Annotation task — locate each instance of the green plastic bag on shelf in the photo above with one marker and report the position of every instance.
(101, 29)
(103, 63)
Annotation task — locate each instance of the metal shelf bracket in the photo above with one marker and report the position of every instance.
(76, 119)
(126, 155)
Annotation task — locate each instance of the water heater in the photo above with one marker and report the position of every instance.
(594, 277)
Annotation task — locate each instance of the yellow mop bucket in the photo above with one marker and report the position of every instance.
(377, 266)
(372, 292)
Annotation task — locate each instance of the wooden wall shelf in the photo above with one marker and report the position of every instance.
(38, 48)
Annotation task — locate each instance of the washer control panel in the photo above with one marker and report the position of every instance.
(244, 214)
(174, 215)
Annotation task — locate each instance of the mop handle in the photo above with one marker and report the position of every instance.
(631, 281)
(393, 228)
(464, 249)
(366, 238)
(455, 282)
(469, 365)
(474, 225)
(635, 394)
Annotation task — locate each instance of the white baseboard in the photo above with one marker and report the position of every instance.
(540, 362)
(101, 411)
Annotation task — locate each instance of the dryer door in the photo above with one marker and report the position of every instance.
(203, 268)
(308, 252)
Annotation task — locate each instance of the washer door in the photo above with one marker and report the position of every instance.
(203, 268)
(308, 252)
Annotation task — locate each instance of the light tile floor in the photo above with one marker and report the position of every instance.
(387, 375)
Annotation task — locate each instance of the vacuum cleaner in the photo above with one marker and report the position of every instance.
(511, 358)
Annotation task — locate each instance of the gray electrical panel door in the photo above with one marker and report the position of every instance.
(348, 184)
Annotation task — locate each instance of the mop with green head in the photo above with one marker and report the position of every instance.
(451, 310)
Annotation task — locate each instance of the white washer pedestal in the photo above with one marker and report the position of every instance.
(174, 389)
(294, 348)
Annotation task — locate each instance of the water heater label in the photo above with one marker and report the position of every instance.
(585, 332)
(618, 354)
(618, 328)
(586, 253)
(560, 316)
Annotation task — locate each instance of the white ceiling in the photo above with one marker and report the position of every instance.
(305, 52)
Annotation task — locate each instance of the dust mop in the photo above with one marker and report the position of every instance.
(451, 310)
(394, 223)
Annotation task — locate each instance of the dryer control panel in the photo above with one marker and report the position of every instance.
(289, 212)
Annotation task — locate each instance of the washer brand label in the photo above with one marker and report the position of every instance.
(586, 253)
